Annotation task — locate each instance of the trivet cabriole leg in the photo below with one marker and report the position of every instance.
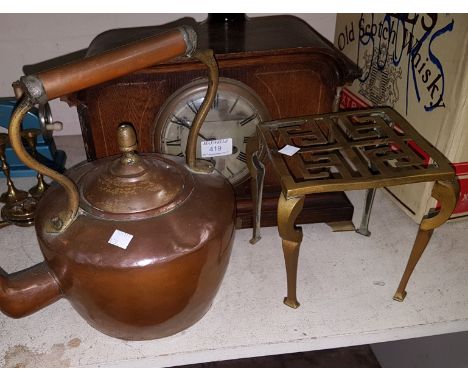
(364, 227)
(447, 194)
(291, 237)
(257, 174)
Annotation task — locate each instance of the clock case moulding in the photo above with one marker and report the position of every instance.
(292, 68)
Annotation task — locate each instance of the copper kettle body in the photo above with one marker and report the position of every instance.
(138, 244)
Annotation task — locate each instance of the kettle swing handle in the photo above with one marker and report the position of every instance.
(94, 70)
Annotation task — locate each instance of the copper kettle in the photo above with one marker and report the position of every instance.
(138, 244)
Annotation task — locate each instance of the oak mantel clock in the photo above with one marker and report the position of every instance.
(270, 67)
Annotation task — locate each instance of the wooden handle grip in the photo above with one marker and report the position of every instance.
(129, 58)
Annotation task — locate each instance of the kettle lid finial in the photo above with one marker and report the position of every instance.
(126, 138)
(127, 141)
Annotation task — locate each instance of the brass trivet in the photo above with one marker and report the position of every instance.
(344, 151)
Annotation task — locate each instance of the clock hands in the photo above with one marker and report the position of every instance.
(233, 105)
(173, 142)
(193, 107)
(180, 121)
(185, 123)
(250, 118)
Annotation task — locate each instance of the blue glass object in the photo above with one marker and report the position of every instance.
(46, 149)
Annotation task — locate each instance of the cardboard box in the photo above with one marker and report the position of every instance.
(417, 64)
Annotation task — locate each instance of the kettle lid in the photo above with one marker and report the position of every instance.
(134, 186)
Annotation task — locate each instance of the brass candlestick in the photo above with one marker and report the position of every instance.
(30, 135)
(19, 213)
(12, 195)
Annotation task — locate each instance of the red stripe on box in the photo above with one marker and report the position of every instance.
(461, 170)
(462, 205)
(351, 101)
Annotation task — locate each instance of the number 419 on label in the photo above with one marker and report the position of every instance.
(216, 148)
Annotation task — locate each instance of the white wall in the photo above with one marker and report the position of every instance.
(27, 39)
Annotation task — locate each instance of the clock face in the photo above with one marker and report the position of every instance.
(235, 113)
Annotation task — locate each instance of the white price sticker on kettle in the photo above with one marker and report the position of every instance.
(216, 148)
(120, 239)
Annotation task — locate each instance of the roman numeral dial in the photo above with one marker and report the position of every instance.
(234, 114)
(242, 157)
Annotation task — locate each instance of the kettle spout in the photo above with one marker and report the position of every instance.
(25, 292)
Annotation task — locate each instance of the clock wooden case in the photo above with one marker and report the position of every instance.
(280, 60)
